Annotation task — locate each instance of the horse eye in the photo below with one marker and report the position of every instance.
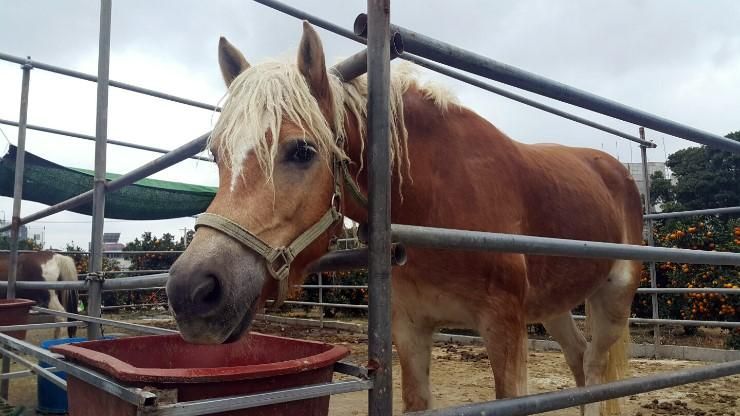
(302, 153)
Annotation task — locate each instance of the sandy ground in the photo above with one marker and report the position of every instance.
(461, 374)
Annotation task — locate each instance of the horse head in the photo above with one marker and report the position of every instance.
(278, 202)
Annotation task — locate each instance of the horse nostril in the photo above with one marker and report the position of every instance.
(207, 292)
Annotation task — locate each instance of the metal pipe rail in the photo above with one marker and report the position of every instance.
(135, 396)
(224, 404)
(106, 272)
(292, 11)
(326, 305)
(356, 65)
(332, 286)
(545, 402)
(58, 285)
(175, 156)
(92, 138)
(679, 214)
(102, 321)
(135, 289)
(156, 281)
(352, 259)
(144, 399)
(679, 290)
(178, 155)
(442, 238)
(132, 306)
(20, 374)
(35, 368)
(45, 325)
(646, 290)
(314, 20)
(93, 78)
(136, 282)
(682, 322)
(121, 283)
(524, 100)
(451, 55)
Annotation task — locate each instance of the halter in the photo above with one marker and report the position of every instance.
(278, 259)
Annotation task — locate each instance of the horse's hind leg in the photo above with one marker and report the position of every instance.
(413, 340)
(564, 330)
(505, 336)
(608, 311)
(55, 305)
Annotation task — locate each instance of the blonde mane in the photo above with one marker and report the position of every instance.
(260, 98)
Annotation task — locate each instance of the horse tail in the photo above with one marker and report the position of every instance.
(617, 364)
(68, 297)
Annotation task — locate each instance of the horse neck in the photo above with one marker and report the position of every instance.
(430, 129)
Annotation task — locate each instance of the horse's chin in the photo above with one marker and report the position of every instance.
(209, 331)
(242, 328)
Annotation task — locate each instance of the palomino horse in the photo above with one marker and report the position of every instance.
(285, 135)
(45, 266)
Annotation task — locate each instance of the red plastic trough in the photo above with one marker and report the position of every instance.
(256, 363)
(15, 312)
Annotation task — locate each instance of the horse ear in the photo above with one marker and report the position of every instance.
(231, 61)
(311, 62)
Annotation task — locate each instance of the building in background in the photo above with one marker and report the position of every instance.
(636, 172)
(22, 231)
(111, 246)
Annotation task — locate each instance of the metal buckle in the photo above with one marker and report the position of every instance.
(336, 201)
(283, 260)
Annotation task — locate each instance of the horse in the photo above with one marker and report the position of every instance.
(290, 142)
(45, 266)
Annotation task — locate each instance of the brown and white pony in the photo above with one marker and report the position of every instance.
(274, 144)
(45, 266)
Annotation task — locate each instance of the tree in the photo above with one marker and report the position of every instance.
(704, 178)
(154, 261)
(661, 191)
(22, 244)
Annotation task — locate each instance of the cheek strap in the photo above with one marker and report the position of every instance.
(277, 259)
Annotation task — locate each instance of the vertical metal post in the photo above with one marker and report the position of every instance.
(20, 166)
(649, 225)
(95, 292)
(379, 191)
(321, 300)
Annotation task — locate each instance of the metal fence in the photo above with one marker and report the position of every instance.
(375, 30)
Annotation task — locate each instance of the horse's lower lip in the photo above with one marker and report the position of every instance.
(244, 322)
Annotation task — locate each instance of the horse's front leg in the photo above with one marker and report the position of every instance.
(504, 332)
(413, 340)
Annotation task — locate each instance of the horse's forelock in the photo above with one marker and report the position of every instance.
(261, 98)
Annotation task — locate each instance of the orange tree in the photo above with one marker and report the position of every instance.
(706, 233)
(82, 263)
(164, 251)
(158, 260)
(349, 296)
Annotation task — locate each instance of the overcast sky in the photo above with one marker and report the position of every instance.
(675, 58)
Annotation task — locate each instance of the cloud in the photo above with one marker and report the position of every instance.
(677, 58)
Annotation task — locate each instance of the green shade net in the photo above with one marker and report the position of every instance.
(147, 199)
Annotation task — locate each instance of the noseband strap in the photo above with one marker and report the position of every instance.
(278, 259)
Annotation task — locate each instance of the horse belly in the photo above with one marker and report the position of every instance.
(557, 284)
(431, 303)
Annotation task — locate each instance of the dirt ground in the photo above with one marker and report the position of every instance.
(461, 374)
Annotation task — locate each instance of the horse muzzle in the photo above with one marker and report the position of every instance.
(213, 289)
